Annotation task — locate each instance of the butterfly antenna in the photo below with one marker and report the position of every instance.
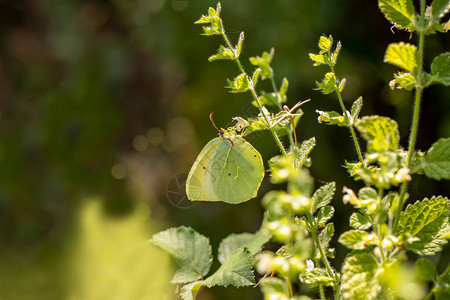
(212, 121)
(220, 130)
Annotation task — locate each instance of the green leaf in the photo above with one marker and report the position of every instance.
(239, 44)
(356, 108)
(274, 288)
(437, 160)
(439, 9)
(263, 62)
(359, 221)
(328, 84)
(222, 53)
(252, 241)
(323, 195)
(317, 276)
(381, 133)
(354, 239)
(425, 269)
(359, 277)
(236, 270)
(325, 237)
(191, 251)
(301, 154)
(239, 85)
(399, 12)
(331, 118)
(367, 193)
(403, 80)
(318, 59)
(325, 214)
(440, 67)
(325, 43)
(267, 99)
(426, 220)
(255, 77)
(189, 291)
(402, 55)
(283, 90)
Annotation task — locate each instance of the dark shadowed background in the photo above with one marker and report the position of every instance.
(104, 107)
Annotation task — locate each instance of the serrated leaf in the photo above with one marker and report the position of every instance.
(301, 154)
(399, 12)
(317, 276)
(325, 237)
(356, 108)
(331, 118)
(440, 67)
(402, 55)
(425, 269)
(267, 99)
(236, 270)
(263, 62)
(283, 90)
(354, 239)
(325, 43)
(222, 53)
(203, 20)
(191, 251)
(189, 291)
(342, 85)
(255, 77)
(318, 59)
(323, 195)
(381, 133)
(436, 164)
(252, 241)
(274, 288)
(367, 193)
(325, 214)
(439, 9)
(403, 80)
(239, 44)
(328, 84)
(359, 280)
(359, 221)
(426, 220)
(239, 85)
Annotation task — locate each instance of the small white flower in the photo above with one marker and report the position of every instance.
(309, 265)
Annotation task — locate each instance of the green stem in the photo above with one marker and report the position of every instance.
(320, 248)
(415, 121)
(352, 130)
(275, 90)
(431, 292)
(379, 231)
(252, 90)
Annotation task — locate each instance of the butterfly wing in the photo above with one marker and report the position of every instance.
(222, 172)
(242, 173)
(199, 185)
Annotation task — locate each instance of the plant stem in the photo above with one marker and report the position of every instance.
(352, 130)
(431, 292)
(415, 121)
(290, 127)
(252, 90)
(321, 251)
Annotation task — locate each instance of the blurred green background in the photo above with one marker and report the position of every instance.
(104, 107)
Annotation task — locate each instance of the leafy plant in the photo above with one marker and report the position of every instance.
(298, 218)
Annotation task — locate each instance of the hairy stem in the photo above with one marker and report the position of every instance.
(290, 127)
(321, 251)
(352, 130)
(253, 92)
(415, 121)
